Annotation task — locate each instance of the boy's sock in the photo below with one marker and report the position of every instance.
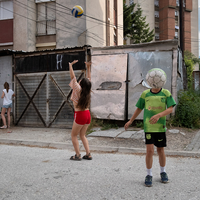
(162, 169)
(149, 172)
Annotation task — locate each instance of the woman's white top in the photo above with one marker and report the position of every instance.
(8, 97)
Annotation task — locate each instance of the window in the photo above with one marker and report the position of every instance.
(157, 36)
(6, 10)
(46, 18)
(156, 14)
(157, 25)
(176, 27)
(176, 12)
(176, 34)
(156, 3)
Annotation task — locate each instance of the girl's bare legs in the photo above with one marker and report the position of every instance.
(75, 131)
(3, 116)
(8, 115)
(84, 139)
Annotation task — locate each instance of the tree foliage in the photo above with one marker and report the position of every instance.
(135, 26)
(188, 109)
(190, 61)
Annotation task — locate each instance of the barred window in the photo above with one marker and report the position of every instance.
(46, 18)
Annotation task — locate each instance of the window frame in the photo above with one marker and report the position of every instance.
(46, 20)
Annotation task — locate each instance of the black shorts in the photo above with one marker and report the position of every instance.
(156, 138)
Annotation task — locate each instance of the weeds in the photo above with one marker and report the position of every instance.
(103, 124)
(188, 109)
(139, 124)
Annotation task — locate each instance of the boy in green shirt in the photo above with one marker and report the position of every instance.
(154, 102)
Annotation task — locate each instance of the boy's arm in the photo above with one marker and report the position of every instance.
(71, 68)
(156, 117)
(88, 65)
(136, 113)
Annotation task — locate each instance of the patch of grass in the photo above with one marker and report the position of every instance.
(109, 126)
(103, 124)
(139, 124)
(90, 131)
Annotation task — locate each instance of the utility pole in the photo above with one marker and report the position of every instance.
(181, 20)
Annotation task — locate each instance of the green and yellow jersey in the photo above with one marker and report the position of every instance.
(154, 103)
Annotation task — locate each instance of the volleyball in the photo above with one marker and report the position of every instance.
(77, 11)
(156, 78)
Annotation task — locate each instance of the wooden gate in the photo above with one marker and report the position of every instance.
(43, 99)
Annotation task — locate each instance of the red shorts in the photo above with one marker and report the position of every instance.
(82, 117)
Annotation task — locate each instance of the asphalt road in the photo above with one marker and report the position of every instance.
(48, 174)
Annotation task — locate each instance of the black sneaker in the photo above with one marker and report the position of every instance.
(164, 177)
(148, 181)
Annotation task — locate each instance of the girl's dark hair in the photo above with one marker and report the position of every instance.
(85, 96)
(6, 86)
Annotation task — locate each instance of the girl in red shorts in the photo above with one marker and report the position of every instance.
(81, 101)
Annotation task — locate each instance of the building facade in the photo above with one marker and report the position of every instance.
(164, 17)
(31, 25)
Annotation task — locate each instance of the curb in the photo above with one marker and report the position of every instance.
(105, 149)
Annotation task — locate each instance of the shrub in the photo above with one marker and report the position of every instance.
(188, 109)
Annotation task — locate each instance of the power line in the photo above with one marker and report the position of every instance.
(119, 26)
(42, 23)
(95, 19)
(26, 7)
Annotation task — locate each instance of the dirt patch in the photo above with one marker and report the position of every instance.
(179, 141)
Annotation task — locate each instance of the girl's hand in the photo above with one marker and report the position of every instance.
(88, 64)
(75, 61)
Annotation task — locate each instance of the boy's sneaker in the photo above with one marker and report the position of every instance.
(148, 181)
(164, 177)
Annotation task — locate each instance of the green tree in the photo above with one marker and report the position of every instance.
(135, 26)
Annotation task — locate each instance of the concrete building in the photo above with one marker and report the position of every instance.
(31, 25)
(163, 17)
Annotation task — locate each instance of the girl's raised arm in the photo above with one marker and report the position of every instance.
(72, 75)
(88, 65)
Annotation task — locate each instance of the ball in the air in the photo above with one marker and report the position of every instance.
(77, 11)
(156, 78)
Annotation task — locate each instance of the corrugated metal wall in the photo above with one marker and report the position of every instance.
(139, 64)
(42, 99)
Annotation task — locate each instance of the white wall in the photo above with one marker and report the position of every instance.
(69, 29)
(96, 30)
(5, 73)
(24, 28)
